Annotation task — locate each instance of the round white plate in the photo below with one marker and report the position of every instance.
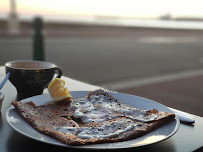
(160, 134)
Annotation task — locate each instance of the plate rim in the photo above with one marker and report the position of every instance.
(176, 128)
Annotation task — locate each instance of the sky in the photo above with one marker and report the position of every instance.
(121, 8)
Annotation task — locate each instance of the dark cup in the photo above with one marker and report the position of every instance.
(31, 77)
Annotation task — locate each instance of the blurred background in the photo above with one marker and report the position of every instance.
(152, 49)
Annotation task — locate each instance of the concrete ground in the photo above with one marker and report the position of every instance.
(184, 93)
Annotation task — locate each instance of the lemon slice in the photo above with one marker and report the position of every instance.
(58, 91)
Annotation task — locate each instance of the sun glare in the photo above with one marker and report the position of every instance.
(125, 8)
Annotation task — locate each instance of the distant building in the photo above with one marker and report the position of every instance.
(166, 17)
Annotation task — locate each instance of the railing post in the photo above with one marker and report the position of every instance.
(38, 40)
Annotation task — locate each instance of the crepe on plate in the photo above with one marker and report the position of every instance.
(96, 118)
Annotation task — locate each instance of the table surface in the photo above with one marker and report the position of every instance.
(188, 137)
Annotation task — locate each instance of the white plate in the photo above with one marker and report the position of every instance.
(160, 134)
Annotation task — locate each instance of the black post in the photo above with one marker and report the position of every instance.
(38, 40)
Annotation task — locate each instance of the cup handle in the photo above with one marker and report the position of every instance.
(59, 72)
(58, 75)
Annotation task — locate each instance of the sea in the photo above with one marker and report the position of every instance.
(134, 22)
